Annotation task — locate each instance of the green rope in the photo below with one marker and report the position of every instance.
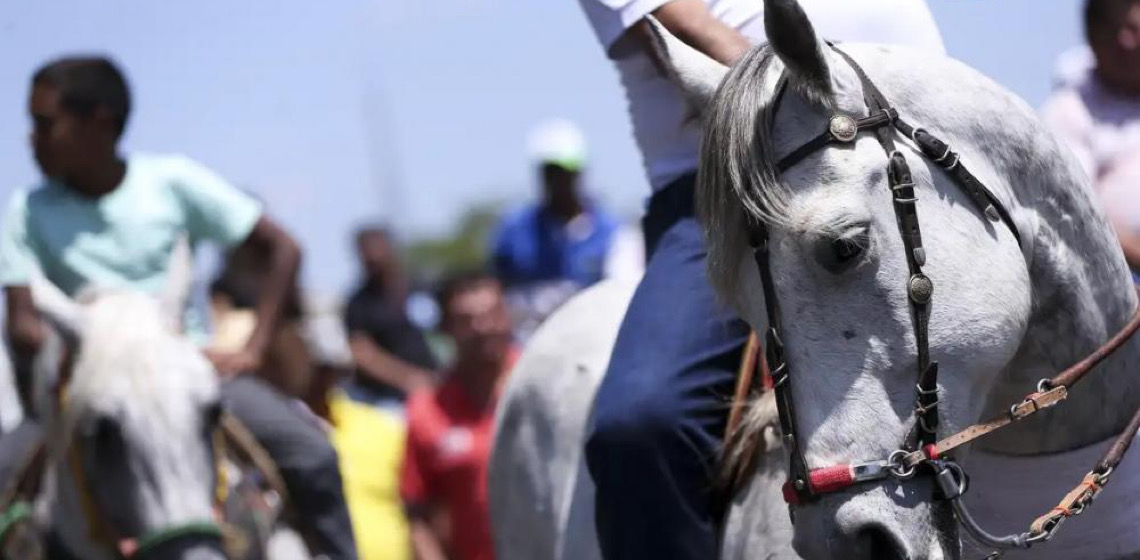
(160, 537)
(15, 513)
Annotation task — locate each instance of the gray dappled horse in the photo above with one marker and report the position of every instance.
(1003, 315)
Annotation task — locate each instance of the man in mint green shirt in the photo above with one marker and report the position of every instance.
(100, 219)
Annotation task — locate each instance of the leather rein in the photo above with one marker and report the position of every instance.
(921, 448)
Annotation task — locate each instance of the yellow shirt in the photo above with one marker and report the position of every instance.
(370, 443)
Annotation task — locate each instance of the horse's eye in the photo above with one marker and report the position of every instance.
(845, 250)
(838, 254)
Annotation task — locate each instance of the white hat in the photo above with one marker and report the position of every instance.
(560, 142)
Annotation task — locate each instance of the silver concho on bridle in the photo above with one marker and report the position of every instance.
(843, 128)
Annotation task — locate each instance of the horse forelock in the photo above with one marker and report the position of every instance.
(132, 367)
(737, 181)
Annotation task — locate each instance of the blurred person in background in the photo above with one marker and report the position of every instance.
(233, 306)
(443, 481)
(1096, 110)
(546, 251)
(368, 440)
(392, 355)
(660, 413)
(101, 219)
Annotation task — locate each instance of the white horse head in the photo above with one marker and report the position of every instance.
(999, 310)
(132, 440)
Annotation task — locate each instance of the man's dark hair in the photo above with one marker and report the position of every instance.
(460, 282)
(1105, 14)
(86, 83)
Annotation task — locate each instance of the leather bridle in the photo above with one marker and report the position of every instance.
(921, 447)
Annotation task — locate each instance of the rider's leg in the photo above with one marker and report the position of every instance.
(661, 410)
(306, 459)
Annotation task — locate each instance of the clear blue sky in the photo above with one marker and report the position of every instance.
(405, 111)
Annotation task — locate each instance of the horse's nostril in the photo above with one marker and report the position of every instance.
(880, 544)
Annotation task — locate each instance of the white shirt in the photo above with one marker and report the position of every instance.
(668, 139)
(1102, 128)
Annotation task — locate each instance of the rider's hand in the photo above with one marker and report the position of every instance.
(231, 363)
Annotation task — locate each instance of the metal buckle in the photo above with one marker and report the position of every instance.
(1054, 524)
(897, 468)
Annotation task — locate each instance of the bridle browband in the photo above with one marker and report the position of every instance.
(920, 446)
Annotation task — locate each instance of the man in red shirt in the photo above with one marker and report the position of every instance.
(444, 478)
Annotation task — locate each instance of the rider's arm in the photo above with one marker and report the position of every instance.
(217, 211)
(621, 27)
(24, 328)
(691, 22)
(284, 262)
(25, 336)
(384, 367)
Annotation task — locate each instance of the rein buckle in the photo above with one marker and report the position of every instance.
(1038, 401)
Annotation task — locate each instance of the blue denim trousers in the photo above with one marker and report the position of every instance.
(660, 413)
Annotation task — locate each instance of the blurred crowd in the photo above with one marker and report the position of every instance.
(407, 398)
(407, 403)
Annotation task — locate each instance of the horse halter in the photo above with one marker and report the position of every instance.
(920, 446)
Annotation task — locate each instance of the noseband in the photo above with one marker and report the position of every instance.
(920, 447)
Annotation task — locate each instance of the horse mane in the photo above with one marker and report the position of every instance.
(130, 362)
(757, 434)
(738, 185)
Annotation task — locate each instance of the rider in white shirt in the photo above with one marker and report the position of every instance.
(661, 409)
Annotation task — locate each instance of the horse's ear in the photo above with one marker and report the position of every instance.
(179, 280)
(794, 41)
(63, 313)
(697, 74)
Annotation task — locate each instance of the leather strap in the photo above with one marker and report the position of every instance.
(940, 153)
(744, 379)
(774, 354)
(919, 287)
(1054, 391)
(828, 136)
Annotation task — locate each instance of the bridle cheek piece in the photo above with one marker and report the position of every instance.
(921, 450)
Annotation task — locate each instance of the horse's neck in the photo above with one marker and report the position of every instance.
(1082, 295)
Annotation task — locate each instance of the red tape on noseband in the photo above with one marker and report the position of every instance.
(822, 481)
(830, 479)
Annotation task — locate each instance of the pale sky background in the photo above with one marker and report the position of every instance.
(405, 111)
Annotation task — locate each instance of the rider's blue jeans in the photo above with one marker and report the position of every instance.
(661, 410)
